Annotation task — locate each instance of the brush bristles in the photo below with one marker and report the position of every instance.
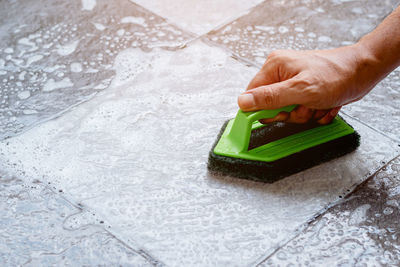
(270, 172)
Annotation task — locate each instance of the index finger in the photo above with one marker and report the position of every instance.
(265, 76)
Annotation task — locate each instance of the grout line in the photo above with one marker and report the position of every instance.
(145, 9)
(372, 128)
(141, 252)
(237, 57)
(234, 18)
(323, 211)
(81, 208)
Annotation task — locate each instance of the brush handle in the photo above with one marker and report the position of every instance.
(266, 113)
(240, 132)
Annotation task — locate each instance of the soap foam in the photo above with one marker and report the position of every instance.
(53, 85)
(67, 49)
(24, 95)
(33, 59)
(88, 4)
(99, 26)
(76, 67)
(134, 20)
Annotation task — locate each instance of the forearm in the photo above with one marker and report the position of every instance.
(382, 46)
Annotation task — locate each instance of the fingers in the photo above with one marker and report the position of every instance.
(282, 116)
(319, 114)
(265, 76)
(329, 116)
(303, 114)
(300, 114)
(272, 96)
(259, 80)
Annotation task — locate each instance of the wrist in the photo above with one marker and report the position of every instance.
(364, 69)
(365, 56)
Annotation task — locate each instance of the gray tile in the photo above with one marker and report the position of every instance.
(137, 155)
(198, 17)
(363, 230)
(55, 54)
(291, 24)
(36, 229)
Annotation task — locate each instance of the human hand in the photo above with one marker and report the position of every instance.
(319, 81)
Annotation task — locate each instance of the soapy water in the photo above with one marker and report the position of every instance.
(198, 17)
(50, 65)
(137, 153)
(38, 228)
(299, 25)
(362, 231)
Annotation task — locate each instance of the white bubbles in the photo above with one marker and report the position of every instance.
(33, 59)
(388, 211)
(324, 39)
(76, 67)
(67, 49)
(52, 85)
(359, 214)
(9, 50)
(135, 20)
(24, 95)
(283, 29)
(99, 26)
(27, 42)
(21, 76)
(88, 4)
(29, 111)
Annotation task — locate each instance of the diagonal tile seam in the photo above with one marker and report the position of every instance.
(52, 117)
(371, 127)
(129, 244)
(193, 35)
(217, 27)
(203, 36)
(301, 229)
(143, 253)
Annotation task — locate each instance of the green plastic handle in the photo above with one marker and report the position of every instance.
(240, 132)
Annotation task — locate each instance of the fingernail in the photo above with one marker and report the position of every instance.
(246, 101)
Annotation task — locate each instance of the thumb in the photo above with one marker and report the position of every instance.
(271, 96)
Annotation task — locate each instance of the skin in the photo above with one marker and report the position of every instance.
(322, 81)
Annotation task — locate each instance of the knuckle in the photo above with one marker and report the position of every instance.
(273, 54)
(301, 114)
(269, 97)
(306, 80)
(310, 88)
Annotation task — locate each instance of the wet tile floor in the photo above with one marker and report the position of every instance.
(108, 111)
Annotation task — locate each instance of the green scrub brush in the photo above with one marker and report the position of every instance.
(248, 149)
